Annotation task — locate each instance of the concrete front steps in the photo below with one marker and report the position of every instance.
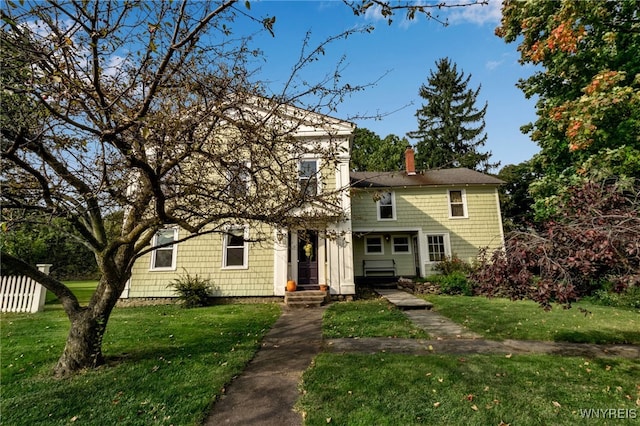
(305, 298)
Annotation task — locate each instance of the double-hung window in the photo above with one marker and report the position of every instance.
(457, 203)
(401, 245)
(235, 251)
(163, 258)
(386, 206)
(308, 177)
(373, 245)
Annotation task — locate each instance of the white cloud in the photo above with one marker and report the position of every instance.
(374, 13)
(492, 65)
(477, 14)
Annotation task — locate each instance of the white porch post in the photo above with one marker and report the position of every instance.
(280, 264)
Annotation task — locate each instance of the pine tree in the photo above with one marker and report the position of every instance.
(450, 127)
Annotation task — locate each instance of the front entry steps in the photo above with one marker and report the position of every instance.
(305, 298)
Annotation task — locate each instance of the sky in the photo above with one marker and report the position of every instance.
(399, 58)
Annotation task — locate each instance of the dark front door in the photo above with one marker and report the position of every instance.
(307, 258)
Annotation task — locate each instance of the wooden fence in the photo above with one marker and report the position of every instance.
(22, 294)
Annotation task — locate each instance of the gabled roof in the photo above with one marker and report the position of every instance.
(305, 122)
(459, 176)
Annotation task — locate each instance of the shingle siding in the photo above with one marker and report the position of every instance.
(203, 256)
(426, 209)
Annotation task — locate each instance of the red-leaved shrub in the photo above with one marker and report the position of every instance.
(595, 236)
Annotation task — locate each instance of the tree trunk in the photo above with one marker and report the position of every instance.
(83, 348)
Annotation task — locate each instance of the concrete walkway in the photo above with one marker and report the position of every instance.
(470, 346)
(266, 391)
(438, 326)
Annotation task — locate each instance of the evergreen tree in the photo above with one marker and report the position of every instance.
(450, 127)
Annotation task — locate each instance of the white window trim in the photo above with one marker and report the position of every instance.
(464, 204)
(318, 175)
(174, 254)
(246, 178)
(393, 208)
(447, 245)
(245, 252)
(393, 244)
(366, 246)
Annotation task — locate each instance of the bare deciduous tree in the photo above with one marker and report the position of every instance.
(147, 109)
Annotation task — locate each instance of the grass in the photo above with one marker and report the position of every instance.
(165, 365)
(500, 319)
(82, 289)
(368, 318)
(389, 389)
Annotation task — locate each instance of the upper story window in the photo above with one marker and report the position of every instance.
(401, 245)
(235, 254)
(308, 177)
(164, 258)
(239, 177)
(373, 245)
(386, 206)
(457, 203)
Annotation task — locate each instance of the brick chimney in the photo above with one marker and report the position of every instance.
(410, 161)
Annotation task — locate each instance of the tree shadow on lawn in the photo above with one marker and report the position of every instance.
(606, 336)
(217, 342)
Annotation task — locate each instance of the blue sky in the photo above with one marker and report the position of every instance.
(405, 52)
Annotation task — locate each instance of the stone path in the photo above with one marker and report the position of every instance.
(450, 337)
(477, 346)
(438, 326)
(266, 391)
(404, 300)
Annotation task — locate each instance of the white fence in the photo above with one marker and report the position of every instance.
(22, 294)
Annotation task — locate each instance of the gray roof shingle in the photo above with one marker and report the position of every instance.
(459, 176)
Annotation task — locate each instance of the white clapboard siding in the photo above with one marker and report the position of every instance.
(21, 294)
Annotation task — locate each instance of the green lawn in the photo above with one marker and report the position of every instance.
(524, 320)
(165, 365)
(82, 289)
(368, 318)
(390, 389)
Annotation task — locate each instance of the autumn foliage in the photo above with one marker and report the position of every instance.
(594, 238)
